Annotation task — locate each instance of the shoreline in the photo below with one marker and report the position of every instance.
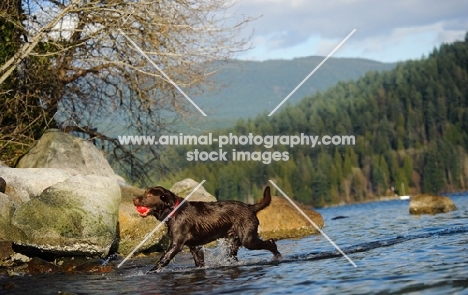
(392, 198)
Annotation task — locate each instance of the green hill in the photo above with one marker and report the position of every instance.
(248, 88)
(411, 133)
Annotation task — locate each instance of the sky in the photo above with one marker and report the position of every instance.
(386, 31)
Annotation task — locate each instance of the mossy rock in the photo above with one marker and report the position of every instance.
(430, 204)
(281, 220)
(74, 217)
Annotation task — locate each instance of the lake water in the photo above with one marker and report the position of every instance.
(395, 253)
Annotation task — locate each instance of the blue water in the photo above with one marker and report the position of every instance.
(395, 253)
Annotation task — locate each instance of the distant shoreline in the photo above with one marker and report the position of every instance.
(391, 198)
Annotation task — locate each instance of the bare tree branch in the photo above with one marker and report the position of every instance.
(13, 62)
(77, 70)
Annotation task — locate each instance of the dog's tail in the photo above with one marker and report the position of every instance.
(263, 202)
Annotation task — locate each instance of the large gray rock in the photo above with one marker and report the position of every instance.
(185, 187)
(56, 149)
(22, 184)
(77, 216)
(429, 204)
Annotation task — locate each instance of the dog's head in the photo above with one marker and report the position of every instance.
(156, 201)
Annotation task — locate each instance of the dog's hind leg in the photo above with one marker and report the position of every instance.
(198, 255)
(253, 242)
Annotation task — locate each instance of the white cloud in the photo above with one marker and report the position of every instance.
(381, 25)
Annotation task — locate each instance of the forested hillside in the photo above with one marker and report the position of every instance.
(410, 126)
(263, 84)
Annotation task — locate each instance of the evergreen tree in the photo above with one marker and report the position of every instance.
(410, 126)
(433, 171)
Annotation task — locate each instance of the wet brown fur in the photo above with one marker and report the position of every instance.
(197, 223)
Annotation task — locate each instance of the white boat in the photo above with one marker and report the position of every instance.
(404, 197)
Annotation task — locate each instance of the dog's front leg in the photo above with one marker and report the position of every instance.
(198, 255)
(167, 257)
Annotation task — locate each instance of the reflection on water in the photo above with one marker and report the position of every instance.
(395, 253)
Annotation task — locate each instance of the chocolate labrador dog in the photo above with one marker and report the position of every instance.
(197, 223)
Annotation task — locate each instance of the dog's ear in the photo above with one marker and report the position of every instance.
(155, 191)
(172, 195)
(166, 195)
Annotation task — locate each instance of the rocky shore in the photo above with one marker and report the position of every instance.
(64, 210)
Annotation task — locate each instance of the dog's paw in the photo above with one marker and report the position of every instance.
(155, 269)
(277, 257)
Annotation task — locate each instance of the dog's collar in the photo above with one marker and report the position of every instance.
(175, 206)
